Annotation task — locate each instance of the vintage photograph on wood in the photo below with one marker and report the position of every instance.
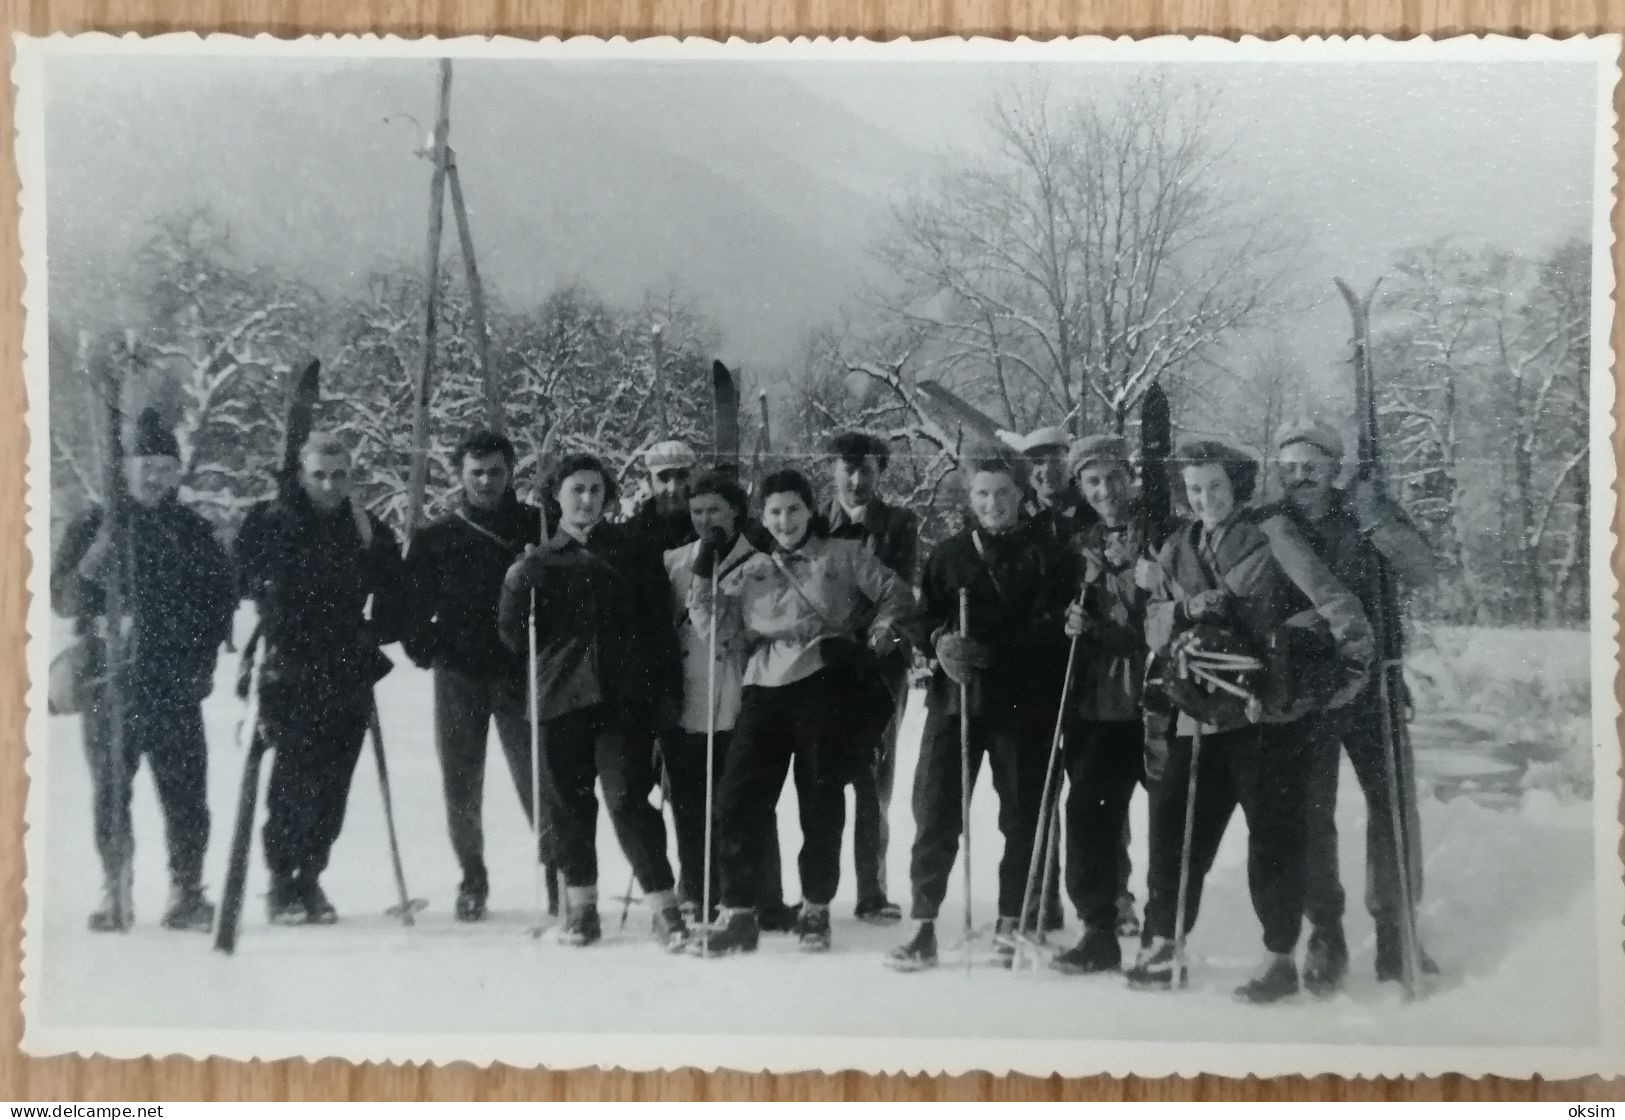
(1086, 556)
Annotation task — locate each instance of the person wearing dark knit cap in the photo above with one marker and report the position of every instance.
(177, 609)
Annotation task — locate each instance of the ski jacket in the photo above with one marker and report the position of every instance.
(604, 631)
(1351, 549)
(1060, 523)
(1272, 574)
(661, 531)
(892, 535)
(310, 573)
(1019, 584)
(454, 570)
(788, 605)
(179, 600)
(1110, 670)
(694, 643)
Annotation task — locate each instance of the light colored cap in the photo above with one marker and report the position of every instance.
(1098, 448)
(1054, 436)
(669, 454)
(1311, 430)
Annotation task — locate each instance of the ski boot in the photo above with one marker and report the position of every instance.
(1155, 968)
(582, 927)
(878, 912)
(318, 910)
(776, 917)
(471, 895)
(919, 954)
(284, 903)
(736, 932)
(1128, 921)
(1277, 980)
(188, 909)
(812, 929)
(670, 930)
(105, 918)
(1006, 932)
(1096, 951)
(1391, 957)
(1326, 960)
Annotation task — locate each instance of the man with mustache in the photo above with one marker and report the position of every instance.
(1349, 529)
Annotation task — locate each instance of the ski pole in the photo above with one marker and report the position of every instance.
(710, 769)
(539, 870)
(253, 746)
(407, 906)
(1047, 812)
(1185, 857)
(964, 773)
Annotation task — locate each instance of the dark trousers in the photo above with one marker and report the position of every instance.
(316, 738)
(464, 706)
(168, 732)
(586, 746)
(1359, 731)
(1103, 765)
(1017, 749)
(1264, 769)
(872, 787)
(683, 755)
(780, 729)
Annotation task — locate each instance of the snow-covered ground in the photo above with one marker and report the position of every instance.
(1509, 913)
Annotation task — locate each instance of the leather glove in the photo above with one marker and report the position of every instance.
(960, 657)
(705, 562)
(883, 641)
(1207, 606)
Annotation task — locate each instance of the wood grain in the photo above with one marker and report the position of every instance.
(59, 1079)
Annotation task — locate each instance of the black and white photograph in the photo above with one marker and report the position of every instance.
(1087, 556)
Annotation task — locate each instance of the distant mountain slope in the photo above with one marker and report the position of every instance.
(754, 196)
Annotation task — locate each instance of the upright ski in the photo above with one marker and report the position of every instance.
(1156, 448)
(1390, 648)
(301, 417)
(724, 419)
(115, 588)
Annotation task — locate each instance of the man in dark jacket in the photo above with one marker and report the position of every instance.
(1104, 733)
(1350, 529)
(1054, 505)
(891, 535)
(608, 675)
(310, 559)
(662, 518)
(454, 571)
(1011, 660)
(178, 604)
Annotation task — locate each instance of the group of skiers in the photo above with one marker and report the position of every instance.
(700, 650)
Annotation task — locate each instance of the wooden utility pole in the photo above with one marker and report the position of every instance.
(425, 382)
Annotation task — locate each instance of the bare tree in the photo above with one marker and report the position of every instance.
(1093, 249)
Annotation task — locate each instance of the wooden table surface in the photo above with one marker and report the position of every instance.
(62, 1079)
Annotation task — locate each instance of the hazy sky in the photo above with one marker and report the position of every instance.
(757, 186)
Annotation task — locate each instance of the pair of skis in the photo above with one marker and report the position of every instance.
(301, 414)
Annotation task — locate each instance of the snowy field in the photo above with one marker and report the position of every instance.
(1508, 913)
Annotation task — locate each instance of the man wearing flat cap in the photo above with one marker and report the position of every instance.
(1055, 507)
(1349, 529)
(178, 604)
(662, 518)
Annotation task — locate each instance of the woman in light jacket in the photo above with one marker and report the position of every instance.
(797, 609)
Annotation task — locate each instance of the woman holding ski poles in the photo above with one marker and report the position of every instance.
(1254, 633)
(796, 609)
(607, 674)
